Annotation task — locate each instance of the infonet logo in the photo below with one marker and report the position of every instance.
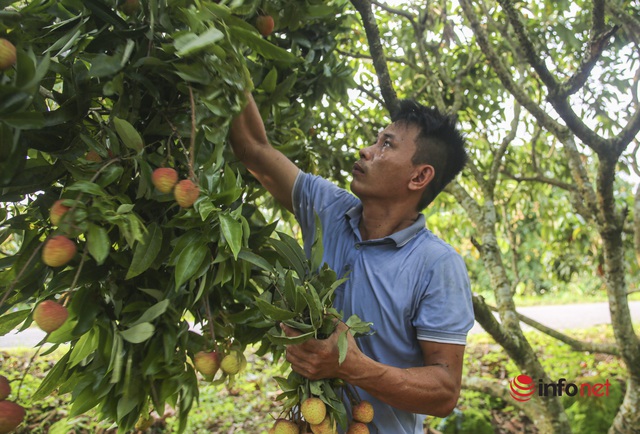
(523, 387)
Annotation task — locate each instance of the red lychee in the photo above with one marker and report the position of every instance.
(7, 54)
(93, 156)
(11, 415)
(313, 410)
(186, 193)
(207, 362)
(57, 211)
(265, 24)
(358, 428)
(164, 179)
(49, 315)
(5, 388)
(58, 250)
(363, 412)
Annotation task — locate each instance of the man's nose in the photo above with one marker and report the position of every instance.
(365, 153)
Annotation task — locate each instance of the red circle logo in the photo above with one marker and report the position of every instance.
(522, 388)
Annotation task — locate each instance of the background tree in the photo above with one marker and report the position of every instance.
(547, 94)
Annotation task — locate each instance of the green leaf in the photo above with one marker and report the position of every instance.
(189, 261)
(191, 43)
(252, 258)
(270, 81)
(9, 321)
(343, 344)
(146, 251)
(282, 339)
(317, 249)
(98, 243)
(87, 187)
(153, 312)
(232, 232)
(261, 46)
(128, 134)
(291, 253)
(53, 379)
(273, 312)
(86, 345)
(138, 333)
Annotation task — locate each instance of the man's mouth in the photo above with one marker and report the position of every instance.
(357, 168)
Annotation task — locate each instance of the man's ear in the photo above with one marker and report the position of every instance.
(423, 174)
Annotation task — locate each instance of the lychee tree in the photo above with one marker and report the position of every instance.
(102, 94)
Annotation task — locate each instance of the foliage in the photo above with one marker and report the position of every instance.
(97, 101)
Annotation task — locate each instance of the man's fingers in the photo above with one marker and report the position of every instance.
(291, 332)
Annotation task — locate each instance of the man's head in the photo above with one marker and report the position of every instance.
(438, 144)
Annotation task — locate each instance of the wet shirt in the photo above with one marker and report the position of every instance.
(411, 285)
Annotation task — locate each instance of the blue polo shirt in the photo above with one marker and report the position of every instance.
(411, 285)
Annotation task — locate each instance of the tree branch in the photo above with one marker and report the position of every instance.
(377, 53)
(579, 78)
(364, 56)
(590, 347)
(541, 179)
(505, 77)
(496, 164)
(529, 50)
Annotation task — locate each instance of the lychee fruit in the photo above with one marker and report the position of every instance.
(58, 250)
(265, 24)
(164, 179)
(284, 426)
(57, 211)
(207, 362)
(11, 415)
(5, 388)
(233, 362)
(313, 410)
(362, 412)
(93, 156)
(186, 193)
(358, 428)
(130, 7)
(324, 427)
(7, 54)
(49, 315)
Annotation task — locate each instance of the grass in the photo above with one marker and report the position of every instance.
(249, 405)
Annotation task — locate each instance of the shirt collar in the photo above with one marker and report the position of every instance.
(400, 238)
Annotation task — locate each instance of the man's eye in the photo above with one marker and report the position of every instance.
(386, 144)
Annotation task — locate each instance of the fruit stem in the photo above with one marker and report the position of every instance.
(27, 370)
(192, 144)
(207, 309)
(65, 295)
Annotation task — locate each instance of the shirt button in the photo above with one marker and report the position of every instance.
(347, 267)
(357, 246)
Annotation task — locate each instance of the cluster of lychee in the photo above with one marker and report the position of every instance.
(11, 414)
(165, 180)
(209, 362)
(314, 411)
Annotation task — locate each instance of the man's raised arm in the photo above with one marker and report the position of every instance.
(271, 168)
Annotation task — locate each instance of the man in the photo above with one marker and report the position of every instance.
(411, 285)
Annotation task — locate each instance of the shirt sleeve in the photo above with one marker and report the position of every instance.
(445, 311)
(313, 195)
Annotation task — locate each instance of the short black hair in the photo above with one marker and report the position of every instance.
(439, 144)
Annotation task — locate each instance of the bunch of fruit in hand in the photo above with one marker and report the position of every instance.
(302, 298)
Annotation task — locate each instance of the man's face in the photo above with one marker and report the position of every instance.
(385, 169)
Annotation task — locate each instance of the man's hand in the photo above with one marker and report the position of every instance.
(316, 359)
